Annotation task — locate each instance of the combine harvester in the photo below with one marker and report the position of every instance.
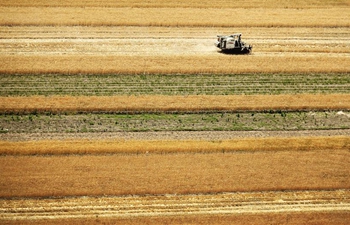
(232, 44)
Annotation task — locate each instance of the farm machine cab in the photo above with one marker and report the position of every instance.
(233, 44)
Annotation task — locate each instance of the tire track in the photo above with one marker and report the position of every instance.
(137, 41)
(175, 205)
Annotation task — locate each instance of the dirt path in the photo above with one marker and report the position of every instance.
(176, 205)
(169, 135)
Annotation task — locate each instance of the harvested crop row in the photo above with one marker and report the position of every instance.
(324, 217)
(138, 207)
(262, 34)
(162, 44)
(129, 174)
(218, 84)
(193, 17)
(149, 103)
(53, 147)
(36, 64)
(178, 4)
(62, 124)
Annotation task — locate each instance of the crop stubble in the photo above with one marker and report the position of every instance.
(253, 176)
(119, 146)
(161, 103)
(202, 17)
(179, 173)
(176, 64)
(155, 84)
(96, 175)
(150, 50)
(177, 208)
(179, 4)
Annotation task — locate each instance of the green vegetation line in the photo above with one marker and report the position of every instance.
(259, 121)
(216, 84)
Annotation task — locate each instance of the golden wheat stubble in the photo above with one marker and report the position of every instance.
(173, 173)
(295, 218)
(297, 4)
(120, 146)
(175, 17)
(161, 103)
(86, 64)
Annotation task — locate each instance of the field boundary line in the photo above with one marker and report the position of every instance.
(158, 103)
(176, 64)
(174, 17)
(83, 146)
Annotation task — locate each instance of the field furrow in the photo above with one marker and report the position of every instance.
(220, 84)
(175, 205)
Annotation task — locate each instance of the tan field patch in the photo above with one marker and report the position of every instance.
(175, 64)
(192, 103)
(180, 3)
(293, 218)
(138, 209)
(169, 135)
(202, 17)
(173, 146)
(86, 175)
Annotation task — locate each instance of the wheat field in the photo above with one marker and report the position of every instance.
(193, 17)
(191, 103)
(173, 64)
(160, 174)
(177, 146)
(180, 4)
(282, 173)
